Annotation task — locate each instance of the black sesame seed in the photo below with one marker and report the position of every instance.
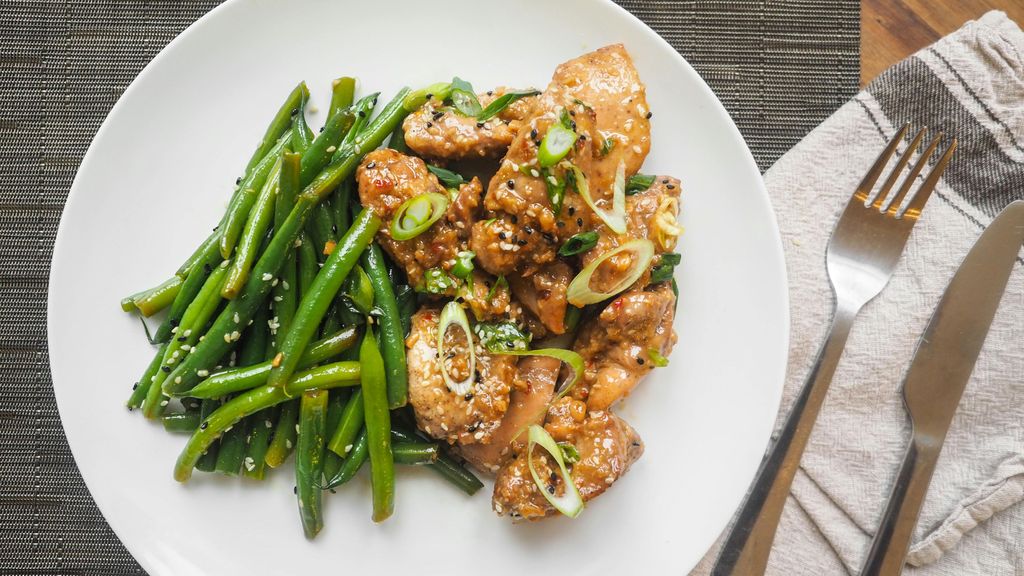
(238, 180)
(579, 221)
(174, 322)
(479, 124)
(551, 489)
(430, 96)
(182, 338)
(374, 101)
(471, 428)
(649, 114)
(334, 228)
(560, 224)
(371, 165)
(362, 113)
(515, 219)
(640, 361)
(468, 397)
(572, 124)
(571, 210)
(430, 124)
(511, 184)
(501, 235)
(549, 237)
(528, 229)
(295, 489)
(438, 115)
(572, 112)
(490, 92)
(207, 268)
(553, 477)
(533, 134)
(665, 181)
(166, 369)
(204, 425)
(670, 186)
(583, 137)
(521, 242)
(134, 386)
(294, 111)
(321, 128)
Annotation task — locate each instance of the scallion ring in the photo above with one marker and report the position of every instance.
(417, 214)
(570, 503)
(616, 219)
(580, 293)
(453, 314)
(556, 145)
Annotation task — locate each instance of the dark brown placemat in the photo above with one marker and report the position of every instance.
(779, 67)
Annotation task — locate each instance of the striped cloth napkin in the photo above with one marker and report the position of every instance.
(969, 85)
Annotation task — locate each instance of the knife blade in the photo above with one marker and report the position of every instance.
(938, 374)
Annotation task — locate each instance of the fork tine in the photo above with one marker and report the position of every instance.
(864, 189)
(897, 170)
(917, 203)
(909, 181)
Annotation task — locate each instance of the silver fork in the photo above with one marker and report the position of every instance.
(862, 254)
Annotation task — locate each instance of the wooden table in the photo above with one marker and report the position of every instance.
(894, 29)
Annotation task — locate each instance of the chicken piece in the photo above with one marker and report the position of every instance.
(605, 101)
(533, 388)
(386, 180)
(616, 344)
(438, 132)
(543, 294)
(650, 214)
(440, 412)
(607, 446)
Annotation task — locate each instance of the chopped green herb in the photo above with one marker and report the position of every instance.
(573, 315)
(606, 147)
(504, 101)
(639, 183)
(448, 178)
(498, 284)
(464, 98)
(663, 271)
(582, 103)
(502, 336)
(556, 190)
(656, 358)
(569, 452)
(578, 243)
(437, 281)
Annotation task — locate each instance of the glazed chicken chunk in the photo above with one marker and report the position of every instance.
(440, 132)
(616, 345)
(386, 180)
(607, 447)
(441, 412)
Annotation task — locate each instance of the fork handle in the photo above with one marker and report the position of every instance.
(891, 542)
(746, 550)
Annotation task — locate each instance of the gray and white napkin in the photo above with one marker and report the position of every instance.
(969, 85)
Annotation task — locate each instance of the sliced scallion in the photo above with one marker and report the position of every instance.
(616, 219)
(639, 183)
(417, 214)
(501, 102)
(663, 271)
(463, 268)
(656, 358)
(580, 293)
(556, 145)
(578, 243)
(464, 98)
(570, 503)
(453, 314)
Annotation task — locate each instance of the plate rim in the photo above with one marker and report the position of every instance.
(760, 193)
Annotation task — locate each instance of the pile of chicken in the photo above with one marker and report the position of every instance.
(515, 234)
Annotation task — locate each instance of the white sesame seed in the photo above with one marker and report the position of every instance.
(176, 354)
(228, 429)
(186, 347)
(227, 337)
(553, 180)
(478, 435)
(164, 403)
(250, 464)
(298, 242)
(296, 428)
(284, 284)
(313, 109)
(174, 330)
(347, 448)
(268, 423)
(202, 373)
(331, 149)
(188, 333)
(177, 379)
(237, 318)
(637, 149)
(444, 426)
(236, 335)
(534, 173)
(170, 361)
(288, 444)
(203, 337)
(278, 298)
(267, 277)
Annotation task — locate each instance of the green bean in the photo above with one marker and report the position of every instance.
(208, 246)
(256, 227)
(348, 427)
(446, 466)
(149, 302)
(187, 293)
(245, 404)
(219, 339)
(308, 265)
(325, 145)
(285, 292)
(181, 421)
(411, 453)
(325, 286)
(397, 142)
(309, 460)
(378, 427)
(193, 321)
(341, 204)
(313, 378)
(206, 460)
(141, 387)
(335, 407)
(351, 465)
(283, 441)
(302, 136)
(248, 189)
(249, 377)
(392, 335)
(342, 93)
(234, 444)
(261, 424)
(321, 229)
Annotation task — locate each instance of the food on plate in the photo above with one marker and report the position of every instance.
(362, 302)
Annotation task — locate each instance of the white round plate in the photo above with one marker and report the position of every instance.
(158, 175)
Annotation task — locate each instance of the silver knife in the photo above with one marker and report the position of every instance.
(939, 372)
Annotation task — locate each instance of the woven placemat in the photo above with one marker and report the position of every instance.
(780, 68)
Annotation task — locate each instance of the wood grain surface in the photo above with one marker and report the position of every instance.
(894, 29)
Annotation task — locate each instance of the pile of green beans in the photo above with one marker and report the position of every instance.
(237, 367)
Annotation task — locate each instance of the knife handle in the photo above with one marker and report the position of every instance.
(746, 549)
(892, 541)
